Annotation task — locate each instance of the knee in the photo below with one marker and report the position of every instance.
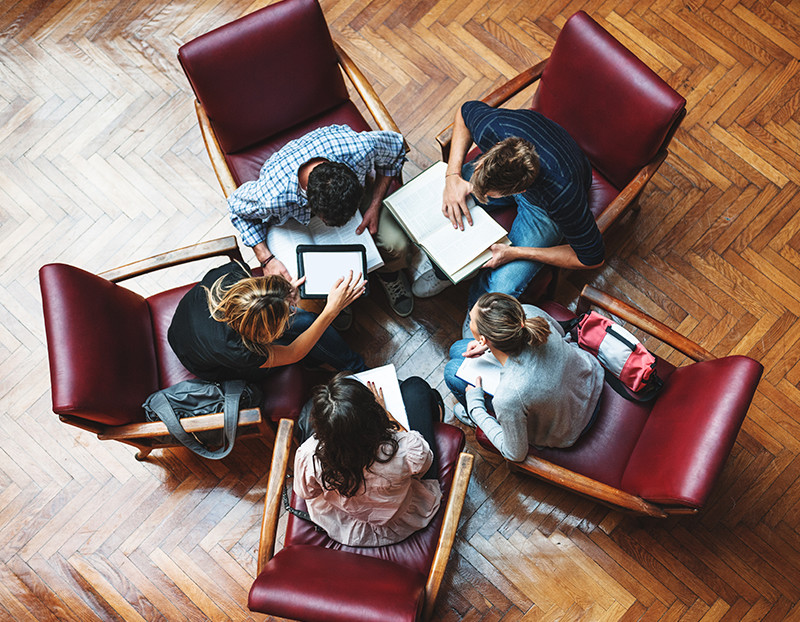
(414, 383)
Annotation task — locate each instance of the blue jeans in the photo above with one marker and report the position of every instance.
(531, 228)
(330, 347)
(456, 385)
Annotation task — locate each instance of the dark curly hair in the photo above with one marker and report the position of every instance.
(353, 432)
(334, 193)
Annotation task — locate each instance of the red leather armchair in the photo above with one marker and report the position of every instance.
(616, 108)
(313, 578)
(108, 351)
(268, 78)
(660, 457)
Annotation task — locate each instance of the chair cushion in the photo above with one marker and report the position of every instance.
(269, 70)
(162, 308)
(616, 108)
(415, 552)
(245, 165)
(100, 346)
(691, 430)
(314, 583)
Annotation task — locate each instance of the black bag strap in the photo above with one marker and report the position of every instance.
(647, 394)
(298, 513)
(233, 390)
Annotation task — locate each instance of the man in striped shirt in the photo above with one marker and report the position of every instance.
(532, 162)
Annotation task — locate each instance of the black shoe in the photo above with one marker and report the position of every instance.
(344, 320)
(395, 284)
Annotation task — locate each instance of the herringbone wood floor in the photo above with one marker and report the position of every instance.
(101, 162)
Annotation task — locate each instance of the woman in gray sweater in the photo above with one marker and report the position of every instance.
(549, 389)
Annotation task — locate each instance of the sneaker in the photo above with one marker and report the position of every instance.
(344, 320)
(460, 413)
(396, 287)
(428, 284)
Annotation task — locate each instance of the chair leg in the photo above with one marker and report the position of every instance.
(142, 454)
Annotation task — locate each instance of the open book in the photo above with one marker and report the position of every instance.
(417, 207)
(486, 366)
(385, 378)
(284, 239)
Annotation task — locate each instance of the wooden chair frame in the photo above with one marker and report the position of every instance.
(147, 436)
(272, 503)
(609, 495)
(625, 200)
(362, 86)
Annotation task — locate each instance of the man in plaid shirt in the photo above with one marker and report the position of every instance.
(324, 173)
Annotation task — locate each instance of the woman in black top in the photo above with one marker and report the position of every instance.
(234, 325)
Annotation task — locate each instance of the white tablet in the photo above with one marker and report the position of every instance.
(324, 264)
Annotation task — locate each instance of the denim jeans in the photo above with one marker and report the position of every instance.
(330, 347)
(456, 385)
(531, 228)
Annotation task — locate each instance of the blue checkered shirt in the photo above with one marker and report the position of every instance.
(275, 196)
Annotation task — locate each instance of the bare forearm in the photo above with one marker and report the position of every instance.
(459, 144)
(301, 346)
(562, 256)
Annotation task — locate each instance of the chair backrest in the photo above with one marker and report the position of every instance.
(100, 346)
(616, 108)
(265, 72)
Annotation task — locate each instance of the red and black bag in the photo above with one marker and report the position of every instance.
(630, 368)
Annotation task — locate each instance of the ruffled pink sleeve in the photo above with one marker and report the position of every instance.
(418, 454)
(306, 484)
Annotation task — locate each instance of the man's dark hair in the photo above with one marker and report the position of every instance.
(334, 193)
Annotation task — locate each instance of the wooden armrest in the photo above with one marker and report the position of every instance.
(499, 96)
(221, 246)
(272, 500)
(629, 193)
(374, 104)
(587, 486)
(641, 320)
(218, 162)
(452, 514)
(202, 423)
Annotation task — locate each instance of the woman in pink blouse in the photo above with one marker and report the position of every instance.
(366, 481)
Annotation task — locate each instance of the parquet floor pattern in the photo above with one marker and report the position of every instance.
(101, 162)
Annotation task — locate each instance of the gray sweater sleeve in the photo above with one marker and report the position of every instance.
(507, 433)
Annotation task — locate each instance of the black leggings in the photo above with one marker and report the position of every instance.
(422, 407)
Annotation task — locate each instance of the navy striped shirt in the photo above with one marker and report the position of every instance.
(565, 176)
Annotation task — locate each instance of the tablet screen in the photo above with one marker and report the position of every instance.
(324, 265)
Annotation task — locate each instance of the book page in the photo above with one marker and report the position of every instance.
(282, 241)
(486, 366)
(417, 204)
(346, 234)
(453, 248)
(385, 378)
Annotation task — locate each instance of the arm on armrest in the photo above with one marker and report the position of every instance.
(641, 320)
(452, 514)
(367, 93)
(272, 501)
(215, 154)
(221, 246)
(587, 486)
(499, 96)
